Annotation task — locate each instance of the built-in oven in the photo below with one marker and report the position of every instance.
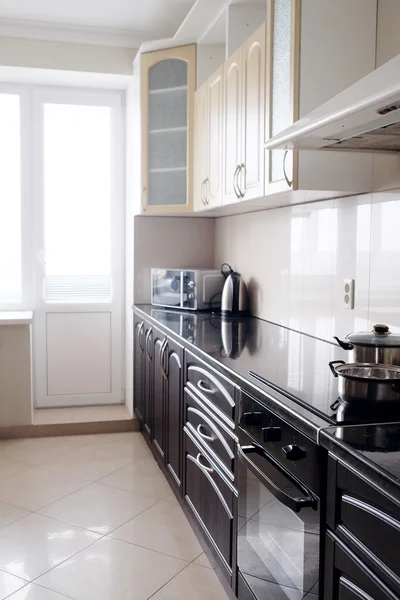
(279, 482)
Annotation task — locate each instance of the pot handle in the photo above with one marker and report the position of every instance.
(332, 366)
(344, 345)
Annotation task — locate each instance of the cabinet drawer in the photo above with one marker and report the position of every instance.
(348, 578)
(213, 435)
(210, 498)
(367, 521)
(212, 387)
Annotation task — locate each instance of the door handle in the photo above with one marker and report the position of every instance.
(205, 193)
(289, 183)
(208, 469)
(235, 187)
(148, 334)
(141, 198)
(163, 347)
(203, 388)
(208, 438)
(295, 504)
(202, 192)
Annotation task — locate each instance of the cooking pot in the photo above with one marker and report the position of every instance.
(360, 382)
(376, 346)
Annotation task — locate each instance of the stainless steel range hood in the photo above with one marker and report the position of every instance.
(364, 117)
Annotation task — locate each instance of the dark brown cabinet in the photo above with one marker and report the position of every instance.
(173, 409)
(138, 366)
(159, 377)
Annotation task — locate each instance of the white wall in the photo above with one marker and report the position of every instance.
(170, 242)
(15, 375)
(295, 259)
(19, 52)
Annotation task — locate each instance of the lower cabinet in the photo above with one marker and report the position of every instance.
(211, 499)
(173, 409)
(158, 405)
(138, 366)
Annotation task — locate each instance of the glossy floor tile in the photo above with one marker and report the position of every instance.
(99, 508)
(92, 517)
(163, 528)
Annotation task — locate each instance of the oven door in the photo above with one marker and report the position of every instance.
(172, 287)
(278, 529)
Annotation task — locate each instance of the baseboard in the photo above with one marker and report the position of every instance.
(60, 429)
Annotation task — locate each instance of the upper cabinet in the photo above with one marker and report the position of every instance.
(167, 85)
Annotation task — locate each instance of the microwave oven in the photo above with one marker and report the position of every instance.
(187, 289)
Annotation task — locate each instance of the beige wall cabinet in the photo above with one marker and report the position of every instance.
(208, 143)
(167, 86)
(315, 49)
(243, 117)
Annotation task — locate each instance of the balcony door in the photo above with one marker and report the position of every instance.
(79, 263)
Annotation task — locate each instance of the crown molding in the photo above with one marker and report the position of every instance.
(55, 32)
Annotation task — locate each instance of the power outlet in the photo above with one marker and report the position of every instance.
(348, 296)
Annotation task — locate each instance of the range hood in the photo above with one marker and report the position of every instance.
(364, 117)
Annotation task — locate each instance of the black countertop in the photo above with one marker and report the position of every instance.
(294, 365)
(373, 450)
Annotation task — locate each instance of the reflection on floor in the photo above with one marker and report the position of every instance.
(93, 518)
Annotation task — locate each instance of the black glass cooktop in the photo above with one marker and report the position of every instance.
(292, 363)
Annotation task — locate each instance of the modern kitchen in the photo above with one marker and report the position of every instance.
(200, 368)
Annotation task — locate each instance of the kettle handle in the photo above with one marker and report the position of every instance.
(344, 345)
(332, 366)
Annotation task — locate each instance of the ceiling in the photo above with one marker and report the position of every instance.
(135, 20)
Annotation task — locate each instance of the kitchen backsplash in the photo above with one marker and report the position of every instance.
(295, 259)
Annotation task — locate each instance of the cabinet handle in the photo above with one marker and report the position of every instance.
(235, 188)
(242, 166)
(205, 188)
(148, 334)
(141, 198)
(290, 183)
(209, 438)
(208, 469)
(163, 347)
(203, 388)
(140, 331)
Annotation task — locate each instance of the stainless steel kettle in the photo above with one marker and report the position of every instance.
(234, 302)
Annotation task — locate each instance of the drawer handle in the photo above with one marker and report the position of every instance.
(203, 388)
(209, 438)
(208, 469)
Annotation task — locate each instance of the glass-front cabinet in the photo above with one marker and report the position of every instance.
(283, 42)
(168, 80)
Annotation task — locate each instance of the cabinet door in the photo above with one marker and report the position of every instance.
(148, 376)
(159, 378)
(232, 127)
(213, 186)
(167, 106)
(282, 88)
(251, 177)
(173, 412)
(138, 367)
(200, 140)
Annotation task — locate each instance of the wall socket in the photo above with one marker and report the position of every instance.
(348, 293)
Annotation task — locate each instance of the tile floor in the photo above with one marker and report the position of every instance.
(93, 518)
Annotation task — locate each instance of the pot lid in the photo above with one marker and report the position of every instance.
(379, 336)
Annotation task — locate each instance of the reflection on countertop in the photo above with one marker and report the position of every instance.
(293, 363)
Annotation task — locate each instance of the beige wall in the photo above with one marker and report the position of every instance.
(15, 375)
(19, 52)
(295, 259)
(170, 242)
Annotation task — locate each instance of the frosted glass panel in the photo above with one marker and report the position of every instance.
(168, 109)
(168, 149)
(167, 187)
(167, 74)
(282, 115)
(10, 200)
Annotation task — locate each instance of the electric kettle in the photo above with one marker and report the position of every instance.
(234, 302)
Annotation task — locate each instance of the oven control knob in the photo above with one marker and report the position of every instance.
(191, 284)
(294, 452)
(252, 419)
(272, 434)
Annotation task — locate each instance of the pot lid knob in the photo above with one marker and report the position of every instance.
(380, 329)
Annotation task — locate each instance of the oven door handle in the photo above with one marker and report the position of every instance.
(295, 504)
